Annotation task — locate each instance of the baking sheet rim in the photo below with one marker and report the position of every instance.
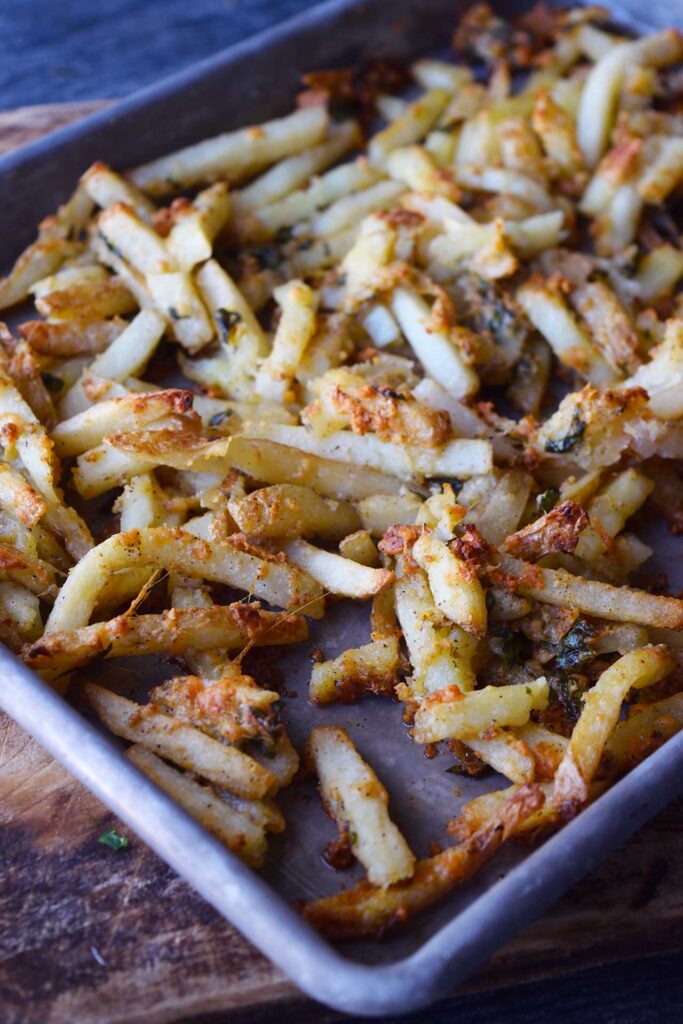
(237, 892)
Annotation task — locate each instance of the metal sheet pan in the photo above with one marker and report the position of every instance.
(443, 946)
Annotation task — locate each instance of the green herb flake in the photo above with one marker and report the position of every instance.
(570, 440)
(340, 109)
(219, 418)
(113, 840)
(507, 644)
(52, 383)
(574, 649)
(226, 320)
(283, 235)
(568, 691)
(110, 245)
(268, 257)
(546, 501)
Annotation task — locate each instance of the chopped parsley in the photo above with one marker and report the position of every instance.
(574, 649)
(52, 383)
(570, 440)
(546, 501)
(507, 644)
(110, 245)
(113, 840)
(268, 257)
(568, 692)
(175, 315)
(340, 109)
(572, 652)
(227, 319)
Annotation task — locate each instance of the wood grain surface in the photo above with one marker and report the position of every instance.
(93, 936)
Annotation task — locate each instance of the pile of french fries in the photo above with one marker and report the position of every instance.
(437, 368)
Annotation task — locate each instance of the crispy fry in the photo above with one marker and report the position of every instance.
(357, 801)
(177, 631)
(186, 746)
(602, 705)
(368, 910)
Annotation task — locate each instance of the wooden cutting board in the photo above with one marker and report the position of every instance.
(93, 936)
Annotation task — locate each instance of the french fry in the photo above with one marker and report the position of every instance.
(178, 551)
(290, 510)
(122, 456)
(437, 74)
(35, 575)
(19, 499)
(41, 258)
(497, 509)
(321, 192)
(616, 604)
(482, 248)
(371, 668)
(22, 609)
(440, 653)
(244, 344)
(107, 188)
(357, 801)
(127, 355)
(451, 714)
(506, 754)
(233, 155)
(336, 574)
(459, 458)
(87, 429)
(368, 910)
(454, 584)
(350, 210)
(360, 547)
(238, 831)
(410, 127)
(176, 297)
(378, 512)
(647, 727)
(186, 746)
(609, 510)
(292, 173)
(599, 716)
(416, 168)
(273, 463)
(550, 315)
(662, 375)
(67, 338)
(659, 271)
(294, 332)
(175, 632)
(433, 347)
(196, 225)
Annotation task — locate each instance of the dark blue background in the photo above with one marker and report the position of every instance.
(57, 50)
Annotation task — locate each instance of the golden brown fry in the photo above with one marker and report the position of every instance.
(599, 717)
(238, 831)
(564, 590)
(35, 575)
(185, 745)
(66, 338)
(172, 632)
(368, 910)
(371, 668)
